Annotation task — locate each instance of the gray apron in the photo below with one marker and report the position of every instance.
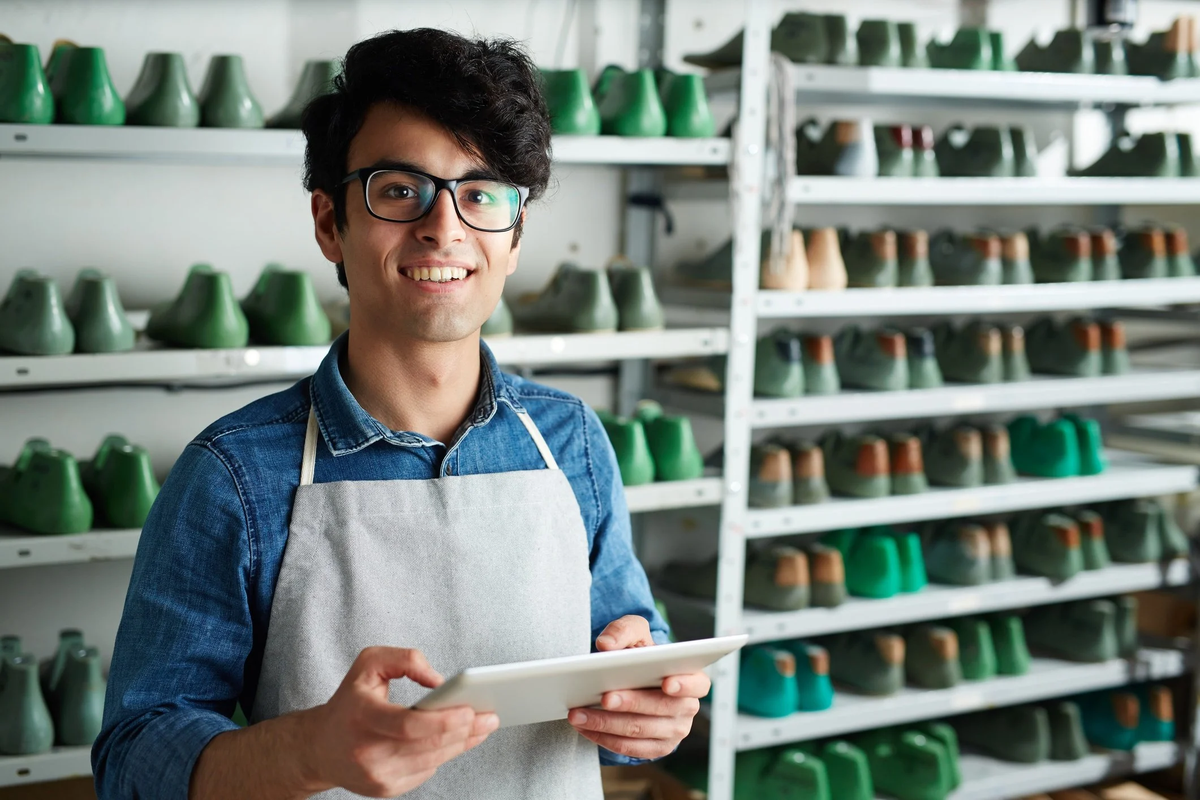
(471, 570)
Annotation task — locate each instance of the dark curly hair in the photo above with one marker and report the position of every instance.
(486, 92)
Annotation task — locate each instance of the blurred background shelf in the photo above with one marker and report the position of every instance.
(823, 190)
(19, 549)
(1046, 678)
(938, 601)
(1127, 476)
(986, 778)
(59, 763)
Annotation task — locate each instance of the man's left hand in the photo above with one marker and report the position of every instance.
(641, 723)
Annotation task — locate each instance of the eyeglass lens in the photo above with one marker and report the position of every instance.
(405, 196)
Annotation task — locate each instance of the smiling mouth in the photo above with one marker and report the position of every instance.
(435, 274)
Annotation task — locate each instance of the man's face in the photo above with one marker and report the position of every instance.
(384, 260)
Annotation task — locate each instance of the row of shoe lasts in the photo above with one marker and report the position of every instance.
(75, 88)
(857, 148)
(580, 300)
(882, 561)
(281, 309)
(806, 38)
(61, 702)
(653, 446)
(1159, 154)
(834, 259)
(872, 465)
(48, 492)
(641, 102)
(789, 365)
(778, 679)
(921, 761)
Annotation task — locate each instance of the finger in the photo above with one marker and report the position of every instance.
(693, 684)
(635, 748)
(434, 757)
(375, 666)
(650, 701)
(628, 631)
(399, 722)
(633, 726)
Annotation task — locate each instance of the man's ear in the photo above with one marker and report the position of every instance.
(329, 239)
(515, 254)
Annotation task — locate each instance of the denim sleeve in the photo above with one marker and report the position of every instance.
(619, 584)
(185, 632)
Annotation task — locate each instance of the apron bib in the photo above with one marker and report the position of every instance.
(471, 570)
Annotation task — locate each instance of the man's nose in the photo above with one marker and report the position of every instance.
(441, 226)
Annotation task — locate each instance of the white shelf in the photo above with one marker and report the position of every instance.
(910, 301)
(19, 549)
(153, 364)
(1127, 476)
(1038, 393)
(286, 147)
(986, 778)
(887, 85)
(941, 602)
(826, 190)
(59, 764)
(674, 494)
(1046, 678)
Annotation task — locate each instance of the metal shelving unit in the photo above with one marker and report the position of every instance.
(744, 307)
(154, 364)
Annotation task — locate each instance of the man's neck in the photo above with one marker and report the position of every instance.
(422, 387)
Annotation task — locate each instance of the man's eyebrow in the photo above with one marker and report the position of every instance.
(478, 173)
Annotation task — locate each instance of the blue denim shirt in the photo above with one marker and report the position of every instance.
(191, 638)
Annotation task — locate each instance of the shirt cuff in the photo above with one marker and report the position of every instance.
(159, 761)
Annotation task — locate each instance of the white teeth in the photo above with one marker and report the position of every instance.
(436, 274)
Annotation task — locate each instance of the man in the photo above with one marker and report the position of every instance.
(327, 554)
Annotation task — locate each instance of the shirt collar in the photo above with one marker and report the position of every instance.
(348, 428)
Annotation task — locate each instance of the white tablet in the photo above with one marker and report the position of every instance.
(540, 691)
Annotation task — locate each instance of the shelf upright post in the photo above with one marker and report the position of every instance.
(746, 194)
(633, 375)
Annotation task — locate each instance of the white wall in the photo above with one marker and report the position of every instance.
(146, 224)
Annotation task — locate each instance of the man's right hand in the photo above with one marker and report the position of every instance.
(361, 742)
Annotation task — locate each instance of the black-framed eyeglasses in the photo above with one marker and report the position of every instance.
(395, 195)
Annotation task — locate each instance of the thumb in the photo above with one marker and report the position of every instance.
(375, 666)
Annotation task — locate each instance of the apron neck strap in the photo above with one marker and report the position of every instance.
(308, 464)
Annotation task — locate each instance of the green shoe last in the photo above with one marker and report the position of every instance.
(1175, 543)
(81, 709)
(808, 474)
(569, 99)
(867, 661)
(893, 143)
(1049, 450)
(96, 313)
(871, 258)
(1019, 734)
(43, 492)
(1046, 544)
(225, 97)
(673, 449)
(120, 483)
(316, 79)
(1067, 740)
(1131, 532)
(1008, 637)
(976, 653)
(879, 43)
(283, 309)
(1091, 444)
(931, 657)
(848, 770)
(972, 354)
(628, 437)
(26, 727)
(686, 105)
(970, 259)
(856, 466)
(630, 106)
(767, 682)
(778, 579)
(633, 292)
(205, 314)
(1126, 625)
(914, 267)
(971, 48)
(912, 55)
(33, 319)
(954, 457)
(778, 365)
(959, 554)
(820, 366)
(25, 97)
(1083, 631)
(1111, 718)
(815, 692)
(1072, 348)
(162, 96)
(924, 372)
(88, 95)
(872, 562)
(1156, 720)
(874, 360)
(1091, 539)
(770, 476)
